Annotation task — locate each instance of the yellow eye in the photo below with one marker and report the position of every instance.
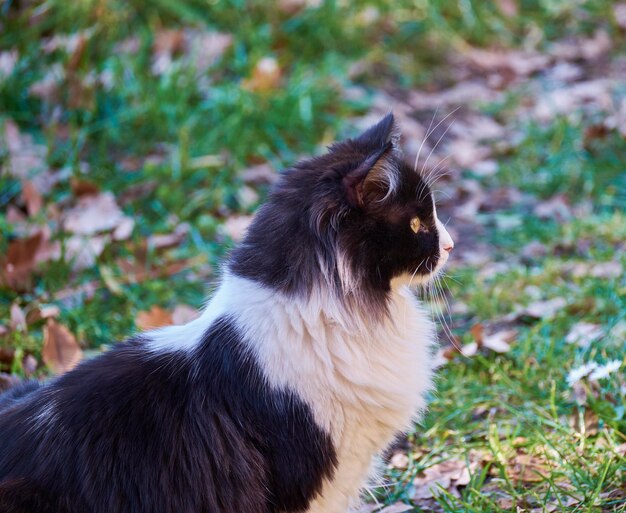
(415, 224)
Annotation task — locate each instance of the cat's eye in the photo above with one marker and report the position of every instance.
(415, 224)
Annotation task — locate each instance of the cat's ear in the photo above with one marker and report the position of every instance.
(376, 177)
(380, 134)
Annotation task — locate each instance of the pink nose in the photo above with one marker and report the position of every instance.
(449, 248)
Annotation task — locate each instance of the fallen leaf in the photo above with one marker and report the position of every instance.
(235, 227)
(448, 475)
(259, 174)
(124, 230)
(206, 48)
(167, 43)
(8, 60)
(583, 334)
(60, 351)
(93, 214)
(398, 507)
(156, 317)
(509, 8)
(265, 77)
(19, 262)
(29, 365)
(182, 314)
(18, 318)
(41, 312)
(82, 187)
(545, 309)
(500, 341)
(527, 468)
(169, 240)
(32, 198)
(619, 13)
(556, 208)
(400, 460)
(82, 252)
(25, 157)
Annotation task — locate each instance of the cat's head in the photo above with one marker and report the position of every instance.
(358, 218)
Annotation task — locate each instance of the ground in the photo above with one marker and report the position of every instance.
(136, 142)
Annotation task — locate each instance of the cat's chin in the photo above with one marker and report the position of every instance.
(415, 280)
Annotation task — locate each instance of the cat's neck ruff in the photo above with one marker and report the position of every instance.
(244, 299)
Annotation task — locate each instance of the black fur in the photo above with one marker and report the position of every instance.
(330, 205)
(133, 432)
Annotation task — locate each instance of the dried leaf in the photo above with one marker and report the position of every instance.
(235, 227)
(169, 240)
(206, 48)
(156, 317)
(18, 318)
(83, 252)
(500, 341)
(400, 460)
(42, 312)
(20, 261)
(398, 507)
(29, 365)
(447, 474)
(265, 76)
(182, 314)
(81, 187)
(60, 351)
(527, 468)
(259, 174)
(93, 214)
(583, 334)
(545, 309)
(32, 198)
(25, 157)
(124, 230)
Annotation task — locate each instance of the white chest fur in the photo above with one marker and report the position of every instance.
(364, 381)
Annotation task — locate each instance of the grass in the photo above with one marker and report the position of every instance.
(171, 147)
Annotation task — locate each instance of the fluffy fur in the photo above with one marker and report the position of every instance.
(311, 356)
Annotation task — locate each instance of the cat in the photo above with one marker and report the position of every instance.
(312, 355)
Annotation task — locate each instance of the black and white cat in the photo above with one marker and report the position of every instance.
(310, 358)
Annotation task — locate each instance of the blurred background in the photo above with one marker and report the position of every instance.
(137, 139)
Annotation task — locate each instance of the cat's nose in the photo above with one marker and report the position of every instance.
(449, 247)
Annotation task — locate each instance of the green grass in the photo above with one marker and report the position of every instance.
(134, 130)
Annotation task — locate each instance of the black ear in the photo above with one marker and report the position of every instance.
(380, 134)
(376, 177)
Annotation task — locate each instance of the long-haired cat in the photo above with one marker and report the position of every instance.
(309, 359)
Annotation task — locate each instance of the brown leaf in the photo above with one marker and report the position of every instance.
(156, 317)
(508, 7)
(265, 76)
(447, 474)
(182, 314)
(6, 355)
(29, 365)
(169, 240)
(527, 468)
(93, 214)
(235, 227)
(42, 312)
(32, 198)
(206, 48)
(500, 341)
(60, 351)
(18, 318)
(81, 187)
(25, 157)
(17, 266)
(259, 174)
